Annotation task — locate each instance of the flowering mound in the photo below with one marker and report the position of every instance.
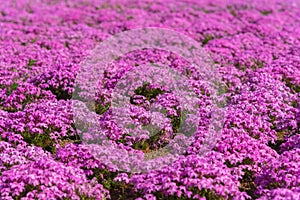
(255, 49)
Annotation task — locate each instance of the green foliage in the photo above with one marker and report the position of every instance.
(71, 138)
(42, 140)
(149, 93)
(67, 44)
(247, 183)
(266, 12)
(31, 62)
(28, 188)
(142, 145)
(33, 40)
(245, 161)
(257, 65)
(60, 93)
(294, 87)
(231, 10)
(273, 185)
(100, 108)
(175, 121)
(10, 89)
(280, 140)
(206, 39)
(117, 190)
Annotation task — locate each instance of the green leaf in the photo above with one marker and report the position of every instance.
(14, 86)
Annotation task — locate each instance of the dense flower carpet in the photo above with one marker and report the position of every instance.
(255, 46)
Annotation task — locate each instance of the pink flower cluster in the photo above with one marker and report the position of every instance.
(255, 47)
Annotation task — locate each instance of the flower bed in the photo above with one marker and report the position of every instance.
(255, 47)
